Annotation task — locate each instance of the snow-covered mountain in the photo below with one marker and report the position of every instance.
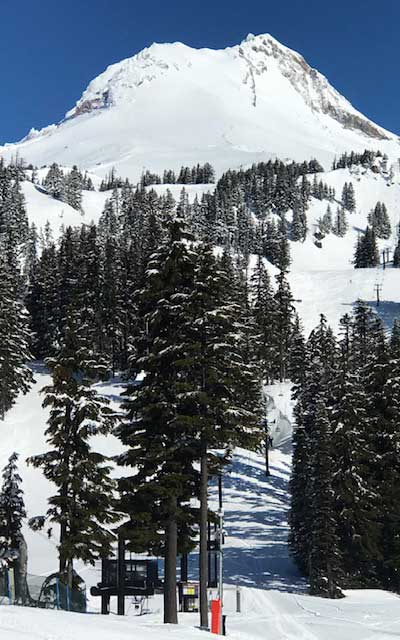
(171, 104)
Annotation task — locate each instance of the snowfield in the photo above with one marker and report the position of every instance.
(362, 615)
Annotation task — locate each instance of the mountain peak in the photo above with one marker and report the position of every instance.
(171, 104)
(119, 83)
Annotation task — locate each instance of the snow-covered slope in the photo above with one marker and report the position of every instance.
(363, 615)
(323, 279)
(171, 104)
(274, 602)
(42, 208)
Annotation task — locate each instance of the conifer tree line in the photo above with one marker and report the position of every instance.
(246, 213)
(205, 338)
(345, 506)
(137, 293)
(15, 235)
(95, 270)
(199, 174)
(67, 187)
(365, 159)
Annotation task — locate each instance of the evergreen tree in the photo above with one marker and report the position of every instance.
(283, 312)
(299, 225)
(12, 511)
(72, 191)
(340, 225)
(348, 197)
(396, 255)
(13, 548)
(380, 374)
(325, 571)
(265, 315)
(83, 503)
(355, 499)
(325, 223)
(390, 468)
(222, 388)
(297, 354)
(54, 181)
(43, 303)
(161, 447)
(366, 254)
(15, 375)
(380, 222)
(311, 392)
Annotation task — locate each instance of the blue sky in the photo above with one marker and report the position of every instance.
(51, 50)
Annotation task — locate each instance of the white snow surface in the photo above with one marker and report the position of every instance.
(362, 615)
(171, 104)
(274, 599)
(42, 207)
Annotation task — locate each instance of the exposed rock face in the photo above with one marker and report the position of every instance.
(315, 89)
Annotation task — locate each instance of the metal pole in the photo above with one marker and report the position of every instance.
(209, 573)
(121, 576)
(238, 603)
(378, 288)
(221, 569)
(220, 490)
(267, 473)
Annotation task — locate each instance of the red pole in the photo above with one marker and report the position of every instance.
(216, 616)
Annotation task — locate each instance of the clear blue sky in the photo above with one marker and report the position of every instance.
(50, 50)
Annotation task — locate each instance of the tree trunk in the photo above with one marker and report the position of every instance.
(21, 586)
(203, 557)
(63, 531)
(70, 574)
(65, 519)
(171, 552)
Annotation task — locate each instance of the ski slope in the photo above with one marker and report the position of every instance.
(274, 600)
(362, 615)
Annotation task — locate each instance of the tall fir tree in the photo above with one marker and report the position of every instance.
(15, 375)
(83, 504)
(325, 567)
(161, 447)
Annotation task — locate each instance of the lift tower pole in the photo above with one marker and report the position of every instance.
(378, 290)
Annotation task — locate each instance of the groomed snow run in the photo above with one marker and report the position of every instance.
(362, 615)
